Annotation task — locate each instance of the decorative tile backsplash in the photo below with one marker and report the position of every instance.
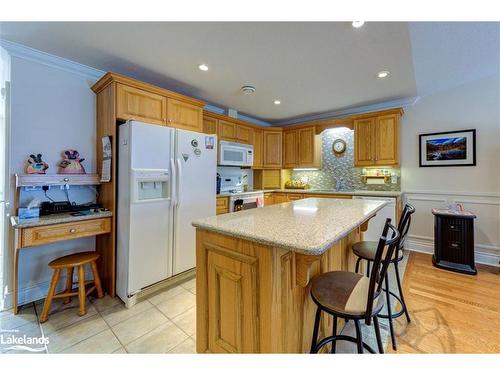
(342, 166)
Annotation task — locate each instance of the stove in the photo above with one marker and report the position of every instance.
(239, 200)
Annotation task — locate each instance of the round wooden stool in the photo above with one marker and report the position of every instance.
(69, 262)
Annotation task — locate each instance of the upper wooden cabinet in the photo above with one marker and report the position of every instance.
(137, 104)
(376, 140)
(226, 131)
(258, 149)
(301, 148)
(272, 148)
(210, 125)
(244, 134)
(184, 115)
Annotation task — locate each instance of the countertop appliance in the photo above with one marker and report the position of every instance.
(235, 154)
(376, 223)
(165, 181)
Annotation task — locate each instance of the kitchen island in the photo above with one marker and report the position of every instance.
(254, 267)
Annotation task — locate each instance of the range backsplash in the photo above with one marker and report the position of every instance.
(343, 166)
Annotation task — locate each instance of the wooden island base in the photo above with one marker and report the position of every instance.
(253, 298)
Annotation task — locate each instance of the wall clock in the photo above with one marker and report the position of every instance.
(339, 146)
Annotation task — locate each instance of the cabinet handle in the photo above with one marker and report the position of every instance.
(454, 244)
(66, 179)
(72, 230)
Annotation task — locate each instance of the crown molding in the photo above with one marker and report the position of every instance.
(27, 53)
(398, 103)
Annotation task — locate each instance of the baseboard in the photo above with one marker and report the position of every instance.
(427, 247)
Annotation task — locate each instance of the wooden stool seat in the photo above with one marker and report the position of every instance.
(367, 250)
(74, 260)
(69, 262)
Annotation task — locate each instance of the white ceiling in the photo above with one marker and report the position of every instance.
(311, 67)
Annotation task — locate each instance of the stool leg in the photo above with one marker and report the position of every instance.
(359, 336)
(81, 290)
(357, 265)
(334, 333)
(368, 268)
(398, 279)
(377, 334)
(69, 284)
(50, 296)
(315, 331)
(97, 280)
(389, 312)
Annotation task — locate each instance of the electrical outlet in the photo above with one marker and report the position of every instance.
(32, 188)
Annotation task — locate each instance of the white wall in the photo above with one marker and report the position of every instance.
(473, 105)
(52, 109)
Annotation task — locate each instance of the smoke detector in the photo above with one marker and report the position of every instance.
(247, 90)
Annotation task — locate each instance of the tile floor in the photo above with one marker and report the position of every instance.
(163, 323)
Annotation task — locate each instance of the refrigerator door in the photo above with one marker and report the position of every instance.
(144, 217)
(196, 165)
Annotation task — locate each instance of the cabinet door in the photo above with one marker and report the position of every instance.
(280, 198)
(209, 125)
(309, 148)
(244, 134)
(268, 199)
(290, 148)
(272, 149)
(141, 105)
(387, 140)
(227, 131)
(257, 147)
(364, 142)
(294, 197)
(185, 116)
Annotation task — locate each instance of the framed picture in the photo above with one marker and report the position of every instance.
(448, 149)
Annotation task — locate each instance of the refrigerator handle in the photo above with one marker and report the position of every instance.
(178, 177)
(173, 177)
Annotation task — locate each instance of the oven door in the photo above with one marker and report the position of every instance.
(245, 203)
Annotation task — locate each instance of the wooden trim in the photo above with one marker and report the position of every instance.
(56, 179)
(111, 77)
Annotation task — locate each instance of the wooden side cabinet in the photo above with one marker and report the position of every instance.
(454, 241)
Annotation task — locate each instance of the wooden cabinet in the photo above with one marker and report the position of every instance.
(272, 148)
(258, 139)
(280, 198)
(267, 179)
(244, 134)
(141, 105)
(226, 131)
(222, 205)
(184, 115)
(290, 148)
(376, 140)
(209, 125)
(301, 148)
(268, 199)
(294, 196)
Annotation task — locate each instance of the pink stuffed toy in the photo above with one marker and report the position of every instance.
(71, 163)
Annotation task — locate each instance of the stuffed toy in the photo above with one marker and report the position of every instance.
(71, 163)
(36, 165)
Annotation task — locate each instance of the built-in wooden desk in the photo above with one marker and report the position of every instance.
(54, 228)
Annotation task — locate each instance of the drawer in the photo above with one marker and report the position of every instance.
(455, 226)
(60, 232)
(222, 205)
(454, 245)
(294, 197)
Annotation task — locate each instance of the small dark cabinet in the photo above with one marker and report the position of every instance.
(454, 241)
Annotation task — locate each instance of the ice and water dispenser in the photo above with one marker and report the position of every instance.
(150, 185)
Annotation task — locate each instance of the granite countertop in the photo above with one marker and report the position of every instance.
(308, 226)
(57, 219)
(370, 193)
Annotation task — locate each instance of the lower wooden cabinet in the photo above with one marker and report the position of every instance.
(222, 205)
(294, 197)
(280, 198)
(268, 199)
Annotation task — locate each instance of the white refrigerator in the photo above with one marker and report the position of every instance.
(166, 180)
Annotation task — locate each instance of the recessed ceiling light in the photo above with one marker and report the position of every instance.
(357, 24)
(203, 67)
(277, 102)
(383, 74)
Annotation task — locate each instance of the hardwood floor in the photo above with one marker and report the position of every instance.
(450, 312)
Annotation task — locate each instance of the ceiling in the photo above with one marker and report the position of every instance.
(311, 67)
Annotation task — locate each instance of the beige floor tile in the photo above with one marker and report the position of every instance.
(166, 295)
(119, 313)
(137, 326)
(178, 304)
(103, 342)
(160, 340)
(8, 320)
(105, 302)
(62, 316)
(188, 346)
(190, 284)
(187, 321)
(31, 330)
(69, 336)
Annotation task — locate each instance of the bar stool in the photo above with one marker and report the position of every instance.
(69, 262)
(366, 250)
(352, 296)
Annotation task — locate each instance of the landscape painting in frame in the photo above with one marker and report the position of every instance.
(448, 149)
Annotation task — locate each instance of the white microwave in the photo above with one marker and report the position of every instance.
(235, 154)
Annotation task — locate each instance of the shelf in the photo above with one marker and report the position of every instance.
(56, 179)
(366, 177)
